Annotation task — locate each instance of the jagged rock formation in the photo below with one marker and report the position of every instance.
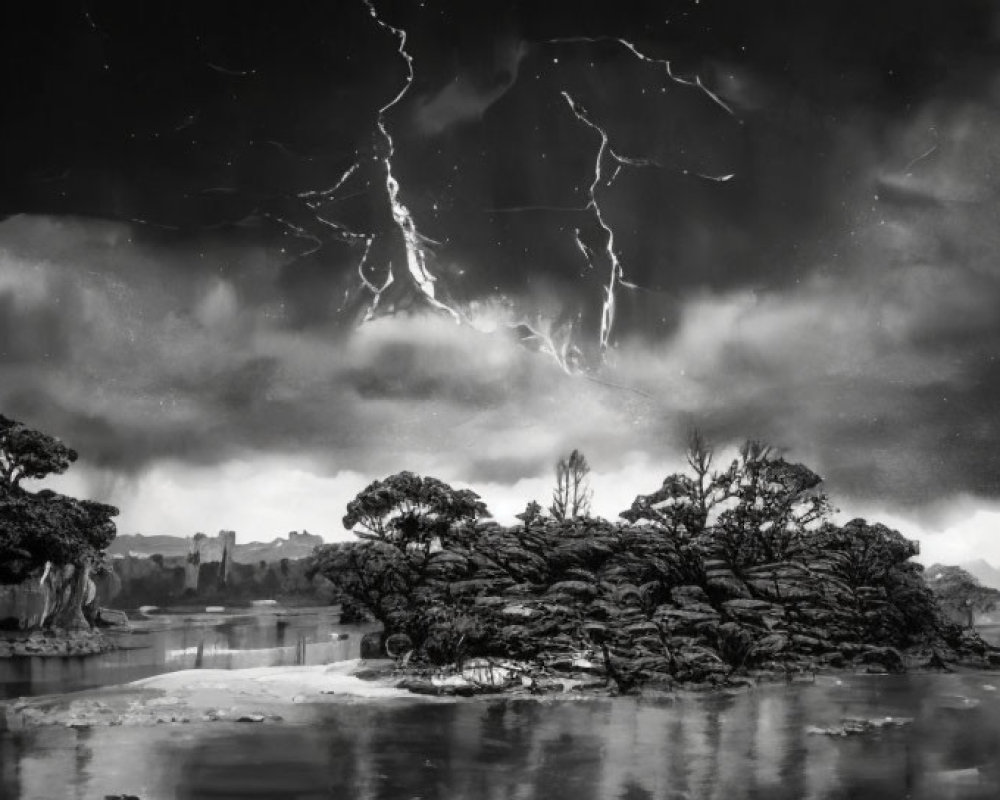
(711, 577)
(631, 603)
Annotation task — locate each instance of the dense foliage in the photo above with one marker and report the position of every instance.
(407, 510)
(46, 529)
(36, 528)
(713, 572)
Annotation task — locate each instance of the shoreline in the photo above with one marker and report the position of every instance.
(274, 695)
(54, 644)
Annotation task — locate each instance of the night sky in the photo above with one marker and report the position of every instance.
(250, 261)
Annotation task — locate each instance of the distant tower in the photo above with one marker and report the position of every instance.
(193, 563)
(228, 541)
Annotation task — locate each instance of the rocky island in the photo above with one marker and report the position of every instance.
(718, 577)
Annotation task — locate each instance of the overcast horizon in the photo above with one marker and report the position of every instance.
(250, 262)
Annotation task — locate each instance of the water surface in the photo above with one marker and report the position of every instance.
(752, 745)
(745, 746)
(173, 641)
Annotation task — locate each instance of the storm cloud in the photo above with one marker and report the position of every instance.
(196, 221)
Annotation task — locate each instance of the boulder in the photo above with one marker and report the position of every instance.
(579, 589)
(888, 658)
(684, 596)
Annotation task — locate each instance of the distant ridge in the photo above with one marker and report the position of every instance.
(136, 543)
(295, 545)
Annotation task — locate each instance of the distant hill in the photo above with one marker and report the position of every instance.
(137, 544)
(296, 545)
(984, 572)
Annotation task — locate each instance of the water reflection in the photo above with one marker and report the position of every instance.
(174, 642)
(743, 747)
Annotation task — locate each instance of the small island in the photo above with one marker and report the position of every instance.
(721, 576)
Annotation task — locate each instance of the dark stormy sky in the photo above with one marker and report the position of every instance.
(793, 206)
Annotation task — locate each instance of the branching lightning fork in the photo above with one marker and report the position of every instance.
(695, 82)
(616, 276)
(616, 273)
(416, 255)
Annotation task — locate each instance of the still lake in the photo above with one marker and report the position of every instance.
(753, 744)
(168, 642)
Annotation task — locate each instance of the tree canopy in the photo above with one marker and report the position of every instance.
(44, 526)
(27, 453)
(408, 510)
(717, 570)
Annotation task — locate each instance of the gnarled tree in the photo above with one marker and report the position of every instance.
(47, 536)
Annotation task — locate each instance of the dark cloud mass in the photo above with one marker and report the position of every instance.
(199, 232)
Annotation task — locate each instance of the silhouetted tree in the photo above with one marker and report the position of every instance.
(572, 495)
(532, 513)
(770, 505)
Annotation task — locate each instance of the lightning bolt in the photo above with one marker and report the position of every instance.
(630, 161)
(371, 287)
(566, 354)
(315, 200)
(299, 233)
(616, 276)
(914, 161)
(315, 197)
(416, 254)
(695, 82)
(616, 271)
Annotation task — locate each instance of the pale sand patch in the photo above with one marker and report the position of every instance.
(282, 684)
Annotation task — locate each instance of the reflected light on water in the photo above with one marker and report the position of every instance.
(747, 746)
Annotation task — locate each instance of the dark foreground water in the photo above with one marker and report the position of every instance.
(751, 745)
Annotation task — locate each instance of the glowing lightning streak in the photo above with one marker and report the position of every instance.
(913, 162)
(608, 307)
(617, 274)
(696, 83)
(416, 260)
(371, 287)
(299, 233)
(325, 193)
(628, 161)
(566, 354)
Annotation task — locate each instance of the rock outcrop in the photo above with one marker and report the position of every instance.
(631, 605)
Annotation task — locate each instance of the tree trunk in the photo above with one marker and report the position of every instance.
(69, 599)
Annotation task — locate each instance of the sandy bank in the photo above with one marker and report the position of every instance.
(280, 684)
(260, 695)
